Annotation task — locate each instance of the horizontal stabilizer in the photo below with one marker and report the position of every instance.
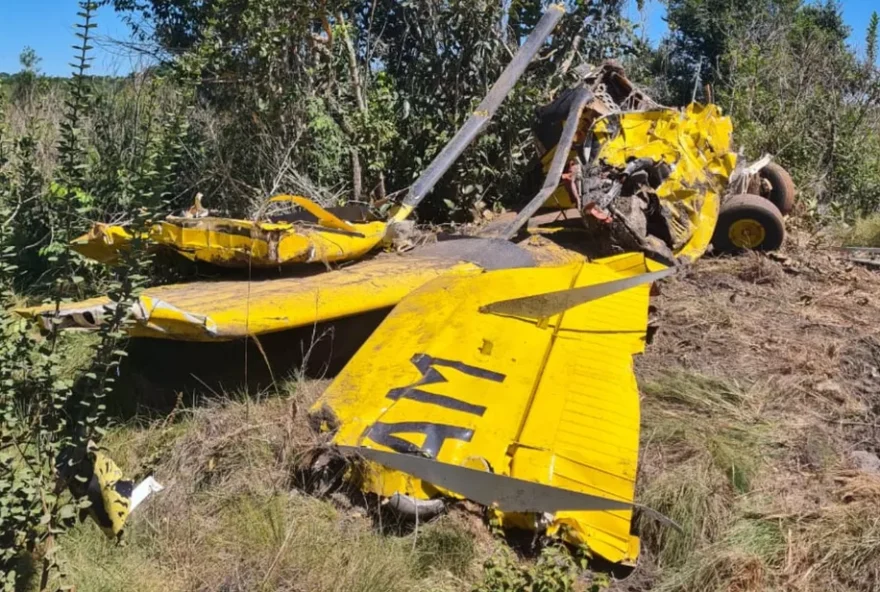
(546, 305)
(490, 489)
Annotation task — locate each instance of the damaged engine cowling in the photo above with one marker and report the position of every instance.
(643, 176)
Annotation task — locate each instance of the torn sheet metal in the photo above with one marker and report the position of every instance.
(645, 177)
(695, 147)
(235, 243)
(550, 401)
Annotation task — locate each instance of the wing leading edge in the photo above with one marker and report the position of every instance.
(552, 401)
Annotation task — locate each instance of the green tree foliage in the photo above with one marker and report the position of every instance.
(27, 79)
(357, 96)
(871, 41)
(51, 401)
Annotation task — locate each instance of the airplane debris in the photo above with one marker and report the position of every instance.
(112, 498)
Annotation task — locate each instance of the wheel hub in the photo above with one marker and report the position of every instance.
(746, 234)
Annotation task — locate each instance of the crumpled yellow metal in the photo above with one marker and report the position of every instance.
(696, 144)
(243, 243)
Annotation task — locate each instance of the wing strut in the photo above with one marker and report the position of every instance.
(508, 494)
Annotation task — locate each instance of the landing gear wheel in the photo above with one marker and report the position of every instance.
(781, 188)
(748, 222)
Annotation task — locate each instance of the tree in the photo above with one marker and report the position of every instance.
(871, 40)
(358, 95)
(26, 80)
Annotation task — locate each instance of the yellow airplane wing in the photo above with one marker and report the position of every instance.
(224, 310)
(231, 309)
(525, 373)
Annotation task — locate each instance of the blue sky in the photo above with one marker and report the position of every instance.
(856, 13)
(47, 26)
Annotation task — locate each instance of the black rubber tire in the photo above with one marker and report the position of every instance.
(782, 193)
(745, 208)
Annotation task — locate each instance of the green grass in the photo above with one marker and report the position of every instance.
(714, 443)
(444, 546)
(287, 538)
(714, 419)
(698, 393)
(695, 496)
(95, 564)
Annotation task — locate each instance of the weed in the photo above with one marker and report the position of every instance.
(444, 546)
(556, 570)
(756, 268)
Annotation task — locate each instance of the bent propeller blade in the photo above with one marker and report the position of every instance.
(490, 489)
(546, 305)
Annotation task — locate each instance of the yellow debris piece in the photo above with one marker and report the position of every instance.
(243, 243)
(553, 402)
(324, 217)
(696, 144)
(103, 243)
(109, 510)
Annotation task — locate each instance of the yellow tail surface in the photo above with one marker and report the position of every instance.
(549, 400)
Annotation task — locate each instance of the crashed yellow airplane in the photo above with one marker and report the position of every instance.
(504, 372)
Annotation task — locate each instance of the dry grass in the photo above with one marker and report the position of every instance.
(742, 561)
(864, 233)
(232, 519)
(761, 379)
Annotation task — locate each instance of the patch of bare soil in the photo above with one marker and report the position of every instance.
(761, 396)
